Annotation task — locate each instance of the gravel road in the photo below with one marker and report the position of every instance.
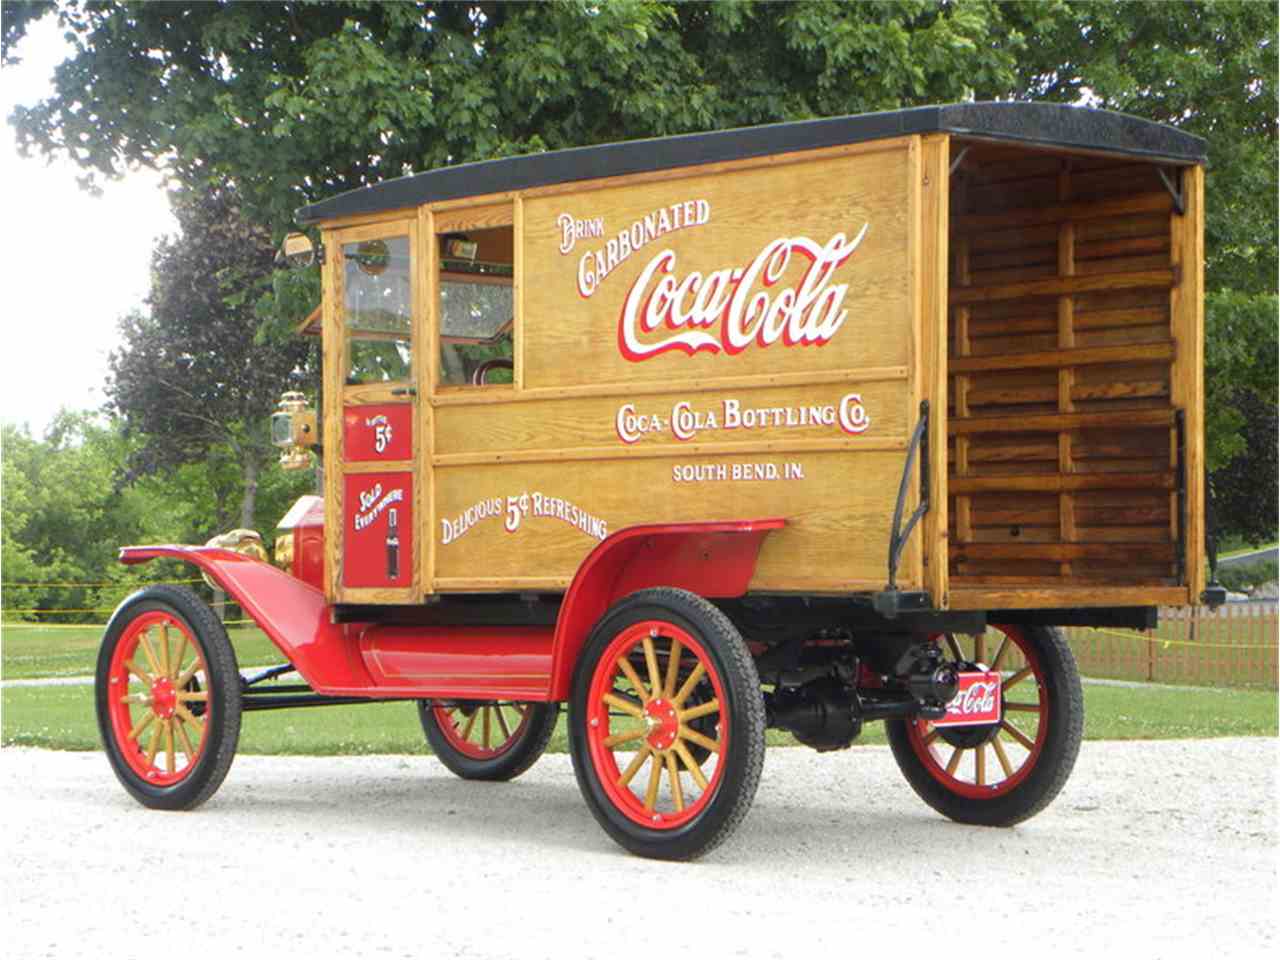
(1164, 849)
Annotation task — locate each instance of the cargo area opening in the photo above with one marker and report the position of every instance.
(1071, 365)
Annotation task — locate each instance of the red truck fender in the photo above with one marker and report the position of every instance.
(711, 559)
(292, 613)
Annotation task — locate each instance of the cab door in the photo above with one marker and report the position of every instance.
(373, 307)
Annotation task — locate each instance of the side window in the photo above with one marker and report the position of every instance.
(377, 310)
(477, 307)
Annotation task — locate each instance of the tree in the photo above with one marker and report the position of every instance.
(192, 380)
(62, 517)
(297, 101)
(1210, 69)
(1247, 488)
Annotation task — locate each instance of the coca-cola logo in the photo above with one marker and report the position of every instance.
(978, 698)
(729, 309)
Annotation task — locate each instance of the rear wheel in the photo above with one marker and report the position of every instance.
(667, 725)
(487, 740)
(168, 698)
(1000, 774)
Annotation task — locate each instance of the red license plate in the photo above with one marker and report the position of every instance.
(976, 702)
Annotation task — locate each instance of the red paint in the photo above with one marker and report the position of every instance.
(629, 799)
(712, 559)
(377, 541)
(935, 756)
(976, 703)
(308, 543)
(308, 555)
(453, 720)
(125, 717)
(377, 431)
(292, 613)
(482, 663)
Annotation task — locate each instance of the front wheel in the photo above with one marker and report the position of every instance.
(1000, 774)
(168, 698)
(487, 740)
(667, 724)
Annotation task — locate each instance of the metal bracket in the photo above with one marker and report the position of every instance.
(955, 164)
(1175, 190)
(898, 534)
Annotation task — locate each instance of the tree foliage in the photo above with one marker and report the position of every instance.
(64, 513)
(192, 379)
(295, 101)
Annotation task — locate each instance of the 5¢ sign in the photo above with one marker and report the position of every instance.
(378, 432)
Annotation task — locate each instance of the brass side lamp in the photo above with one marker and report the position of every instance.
(293, 430)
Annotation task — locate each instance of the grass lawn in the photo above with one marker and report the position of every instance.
(62, 718)
(64, 651)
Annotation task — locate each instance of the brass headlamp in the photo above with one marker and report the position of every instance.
(293, 430)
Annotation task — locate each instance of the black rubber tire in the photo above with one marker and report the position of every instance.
(744, 759)
(223, 735)
(508, 765)
(1065, 718)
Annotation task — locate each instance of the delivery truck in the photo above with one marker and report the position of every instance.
(795, 427)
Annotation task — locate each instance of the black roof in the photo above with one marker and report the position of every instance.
(1045, 124)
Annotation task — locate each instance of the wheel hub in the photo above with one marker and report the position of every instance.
(164, 698)
(967, 738)
(662, 723)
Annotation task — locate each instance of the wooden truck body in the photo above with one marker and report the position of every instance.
(865, 384)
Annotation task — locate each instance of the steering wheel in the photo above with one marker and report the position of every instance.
(482, 371)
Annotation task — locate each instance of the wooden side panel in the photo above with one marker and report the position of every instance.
(697, 234)
(934, 223)
(346, 471)
(1073, 337)
(1188, 371)
(529, 525)
(713, 344)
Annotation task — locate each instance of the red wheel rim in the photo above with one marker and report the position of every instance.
(158, 695)
(482, 731)
(997, 766)
(647, 721)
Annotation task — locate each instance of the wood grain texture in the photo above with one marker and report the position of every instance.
(595, 421)
(573, 340)
(1187, 307)
(837, 515)
(1061, 437)
(339, 396)
(1031, 597)
(935, 254)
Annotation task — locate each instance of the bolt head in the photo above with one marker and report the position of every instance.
(595, 721)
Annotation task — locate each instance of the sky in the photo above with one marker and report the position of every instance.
(72, 263)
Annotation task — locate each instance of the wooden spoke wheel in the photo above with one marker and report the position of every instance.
(487, 740)
(168, 698)
(667, 731)
(1000, 774)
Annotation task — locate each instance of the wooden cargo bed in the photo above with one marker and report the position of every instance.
(1073, 376)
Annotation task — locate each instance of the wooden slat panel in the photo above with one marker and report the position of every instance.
(1079, 356)
(1056, 483)
(1062, 421)
(1056, 286)
(1119, 552)
(1142, 595)
(1057, 213)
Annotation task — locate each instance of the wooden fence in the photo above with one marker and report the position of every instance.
(1235, 645)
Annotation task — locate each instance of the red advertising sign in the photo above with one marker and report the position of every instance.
(377, 536)
(378, 431)
(977, 702)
